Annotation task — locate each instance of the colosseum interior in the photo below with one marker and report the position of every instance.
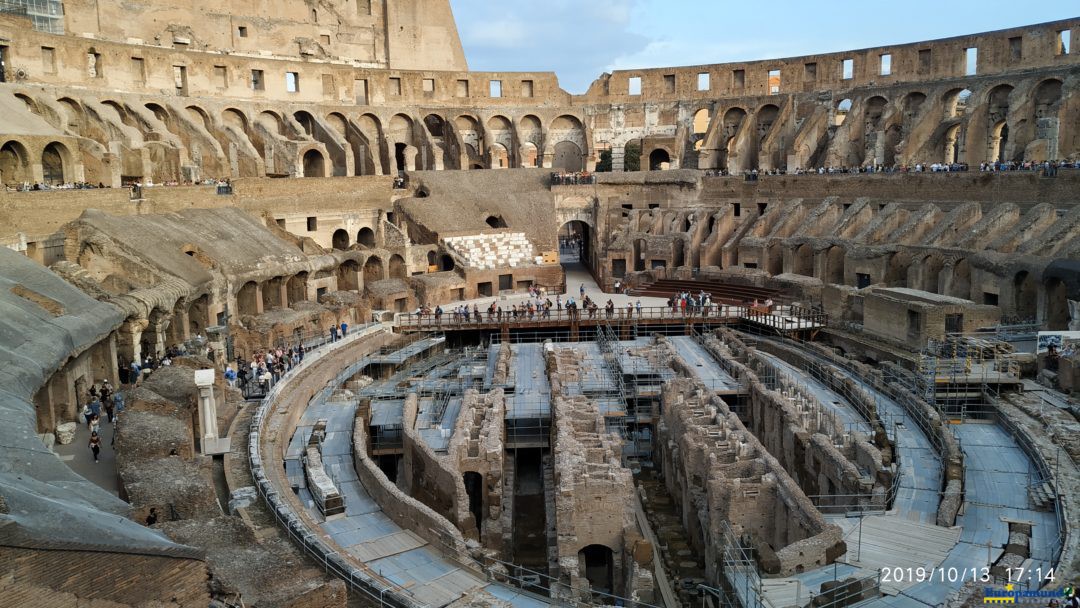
(378, 330)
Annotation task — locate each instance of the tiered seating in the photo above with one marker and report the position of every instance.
(721, 292)
(492, 250)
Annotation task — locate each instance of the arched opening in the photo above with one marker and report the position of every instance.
(399, 157)
(659, 160)
(348, 276)
(774, 259)
(896, 270)
(474, 488)
(52, 163)
(431, 258)
(530, 155)
(804, 260)
(340, 240)
(14, 164)
(1025, 296)
(297, 288)
(842, 110)
(959, 280)
(701, 122)
(446, 262)
(834, 265)
(575, 242)
(640, 247)
(271, 294)
(930, 269)
(500, 159)
(956, 103)
(366, 237)
(1057, 304)
(495, 221)
(397, 267)
(434, 124)
(247, 299)
(373, 270)
(999, 138)
(314, 164)
(953, 145)
(199, 314)
(567, 157)
(597, 564)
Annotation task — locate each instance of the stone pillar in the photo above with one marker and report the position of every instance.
(209, 441)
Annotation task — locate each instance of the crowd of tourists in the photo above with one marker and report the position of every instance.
(572, 178)
(1046, 168)
(101, 399)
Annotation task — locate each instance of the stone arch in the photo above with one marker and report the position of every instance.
(531, 134)
(314, 163)
(400, 128)
(596, 563)
(446, 262)
(56, 163)
(435, 125)
(199, 314)
(338, 122)
(953, 144)
(896, 269)
(15, 163)
(235, 118)
(576, 241)
(340, 239)
(530, 155)
(348, 276)
(200, 116)
(912, 103)
(841, 110)
(959, 280)
(803, 262)
(732, 122)
(699, 125)
(568, 128)
(774, 257)
(500, 158)
(568, 156)
(297, 288)
(764, 119)
(398, 269)
(495, 221)
(306, 121)
(373, 269)
(1025, 296)
(930, 273)
(247, 299)
(499, 123)
(659, 159)
(1047, 98)
(834, 265)
(955, 102)
(270, 121)
(159, 112)
(366, 237)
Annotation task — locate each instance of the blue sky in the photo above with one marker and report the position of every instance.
(581, 39)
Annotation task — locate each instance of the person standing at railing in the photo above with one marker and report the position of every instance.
(333, 333)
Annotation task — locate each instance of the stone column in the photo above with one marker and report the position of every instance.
(209, 441)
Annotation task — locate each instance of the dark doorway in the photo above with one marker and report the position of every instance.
(399, 157)
(474, 487)
(659, 160)
(598, 562)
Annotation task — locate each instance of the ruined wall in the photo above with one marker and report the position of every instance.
(594, 492)
(478, 446)
(703, 444)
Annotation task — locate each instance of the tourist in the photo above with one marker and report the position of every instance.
(344, 329)
(87, 414)
(333, 333)
(95, 445)
(581, 290)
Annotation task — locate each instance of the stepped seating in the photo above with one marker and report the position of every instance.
(721, 292)
(1043, 496)
(498, 250)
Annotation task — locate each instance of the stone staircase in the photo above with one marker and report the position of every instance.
(489, 251)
